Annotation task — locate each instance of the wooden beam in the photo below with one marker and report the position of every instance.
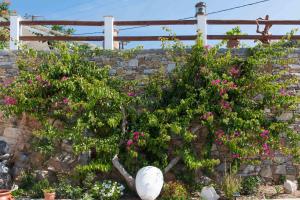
(63, 23)
(155, 22)
(62, 38)
(249, 37)
(154, 38)
(4, 24)
(252, 22)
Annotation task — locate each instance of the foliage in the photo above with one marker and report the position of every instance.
(107, 190)
(226, 95)
(282, 179)
(62, 29)
(174, 191)
(65, 190)
(231, 185)
(250, 185)
(235, 31)
(4, 31)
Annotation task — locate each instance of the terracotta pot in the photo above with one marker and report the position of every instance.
(48, 196)
(234, 43)
(6, 195)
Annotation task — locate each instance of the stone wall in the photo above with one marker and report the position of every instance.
(142, 64)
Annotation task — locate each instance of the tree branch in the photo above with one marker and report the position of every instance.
(128, 178)
(173, 162)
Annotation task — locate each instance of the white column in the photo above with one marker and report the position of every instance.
(109, 32)
(15, 32)
(202, 27)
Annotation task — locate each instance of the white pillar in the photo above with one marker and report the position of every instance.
(202, 27)
(109, 32)
(15, 32)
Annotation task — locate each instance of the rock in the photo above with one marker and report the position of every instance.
(280, 169)
(266, 171)
(3, 168)
(4, 148)
(290, 187)
(249, 169)
(221, 167)
(41, 174)
(204, 180)
(12, 133)
(209, 193)
(285, 116)
(149, 182)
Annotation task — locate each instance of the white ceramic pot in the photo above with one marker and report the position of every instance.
(149, 182)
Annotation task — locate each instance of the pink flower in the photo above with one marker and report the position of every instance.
(207, 47)
(29, 81)
(216, 82)
(9, 100)
(222, 92)
(219, 133)
(38, 78)
(266, 149)
(207, 115)
(129, 143)
(66, 100)
(64, 78)
(7, 82)
(233, 86)
(225, 105)
(283, 92)
(235, 155)
(136, 135)
(224, 81)
(237, 134)
(234, 71)
(131, 94)
(265, 134)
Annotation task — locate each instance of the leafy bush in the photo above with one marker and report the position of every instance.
(68, 191)
(231, 185)
(174, 191)
(250, 185)
(107, 190)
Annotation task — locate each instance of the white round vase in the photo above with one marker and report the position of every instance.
(149, 182)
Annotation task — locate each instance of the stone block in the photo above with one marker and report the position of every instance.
(133, 63)
(280, 169)
(148, 71)
(12, 132)
(285, 116)
(171, 67)
(266, 172)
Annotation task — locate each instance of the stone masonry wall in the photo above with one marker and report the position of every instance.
(142, 64)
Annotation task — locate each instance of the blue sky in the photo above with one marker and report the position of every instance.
(156, 10)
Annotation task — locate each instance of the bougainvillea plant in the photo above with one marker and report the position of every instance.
(4, 31)
(235, 100)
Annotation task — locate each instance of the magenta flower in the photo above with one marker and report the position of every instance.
(219, 133)
(136, 135)
(237, 134)
(216, 82)
(265, 134)
(234, 71)
(131, 94)
(266, 149)
(283, 92)
(65, 100)
(129, 143)
(207, 115)
(235, 155)
(64, 78)
(29, 81)
(9, 100)
(224, 81)
(7, 82)
(38, 78)
(222, 92)
(207, 47)
(225, 105)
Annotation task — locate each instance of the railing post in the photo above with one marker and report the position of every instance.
(202, 21)
(109, 32)
(15, 32)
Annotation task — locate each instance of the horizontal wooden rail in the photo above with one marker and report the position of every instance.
(65, 23)
(252, 22)
(62, 38)
(155, 22)
(4, 24)
(151, 38)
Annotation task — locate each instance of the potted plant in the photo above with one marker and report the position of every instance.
(234, 42)
(6, 195)
(49, 194)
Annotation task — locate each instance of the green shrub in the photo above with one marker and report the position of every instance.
(107, 190)
(250, 185)
(174, 191)
(231, 185)
(65, 190)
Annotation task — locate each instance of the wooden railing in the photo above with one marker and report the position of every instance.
(109, 25)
